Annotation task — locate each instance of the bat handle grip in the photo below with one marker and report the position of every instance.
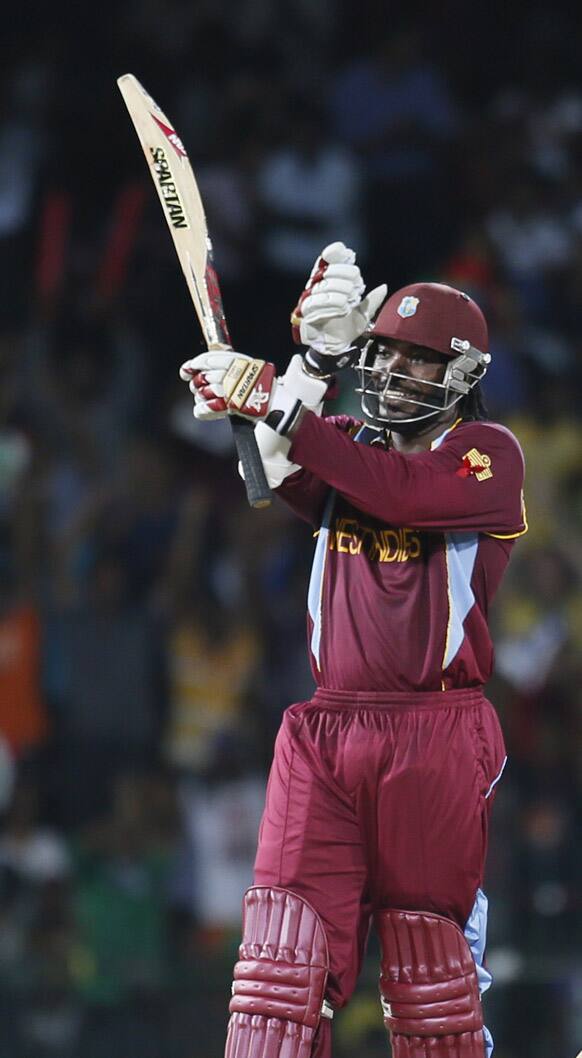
(258, 491)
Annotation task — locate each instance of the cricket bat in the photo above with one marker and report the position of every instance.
(178, 192)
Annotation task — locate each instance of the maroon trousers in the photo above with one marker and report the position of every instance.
(379, 801)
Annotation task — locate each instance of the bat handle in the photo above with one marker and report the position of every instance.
(258, 491)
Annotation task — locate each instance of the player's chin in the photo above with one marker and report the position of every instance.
(399, 408)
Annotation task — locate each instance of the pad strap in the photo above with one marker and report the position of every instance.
(429, 986)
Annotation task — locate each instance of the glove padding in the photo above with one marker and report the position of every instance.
(330, 314)
(228, 383)
(274, 453)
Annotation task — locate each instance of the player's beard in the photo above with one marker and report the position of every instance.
(394, 405)
(394, 412)
(399, 400)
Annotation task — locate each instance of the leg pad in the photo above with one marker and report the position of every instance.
(429, 987)
(280, 978)
(255, 1036)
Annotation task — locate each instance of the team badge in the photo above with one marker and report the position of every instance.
(477, 464)
(407, 307)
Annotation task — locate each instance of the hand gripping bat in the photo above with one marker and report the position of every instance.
(178, 192)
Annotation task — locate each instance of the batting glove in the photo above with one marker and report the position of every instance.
(229, 383)
(330, 314)
(274, 453)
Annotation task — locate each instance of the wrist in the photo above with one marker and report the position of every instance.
(282, 416)
(325, 372)
(296, 390)
(287, 423)
(296, 423)
(325, 365)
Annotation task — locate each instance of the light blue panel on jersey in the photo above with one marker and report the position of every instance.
(315, 592)
(439, 440)
(475, 935)
(461, 555)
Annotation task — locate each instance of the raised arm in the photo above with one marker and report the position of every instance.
(472, 482)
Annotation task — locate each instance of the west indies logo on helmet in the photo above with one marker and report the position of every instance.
(433, 316)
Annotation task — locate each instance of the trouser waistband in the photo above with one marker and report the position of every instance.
(398, 699)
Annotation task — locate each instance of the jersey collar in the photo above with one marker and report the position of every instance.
(438, 440)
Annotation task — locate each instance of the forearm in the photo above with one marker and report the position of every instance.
(424, 491)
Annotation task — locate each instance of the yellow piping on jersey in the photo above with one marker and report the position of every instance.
(513, 536)
(507, 536)
(450, 604)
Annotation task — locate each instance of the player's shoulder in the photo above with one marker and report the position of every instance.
(482, 435)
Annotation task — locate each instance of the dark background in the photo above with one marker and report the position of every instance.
(151, 625)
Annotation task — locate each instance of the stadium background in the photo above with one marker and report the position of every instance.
(151, 626)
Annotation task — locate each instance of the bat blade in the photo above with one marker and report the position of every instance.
(182, 206)
(179, 196)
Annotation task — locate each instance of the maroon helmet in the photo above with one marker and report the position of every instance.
(432, 314)
(437, 317)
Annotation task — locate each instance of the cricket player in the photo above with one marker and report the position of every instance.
(380, 792)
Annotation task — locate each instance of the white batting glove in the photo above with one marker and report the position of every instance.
(274, 453)
(297, 389)
(229, 383)
(330, 314)
(209, 373)
(274, 447)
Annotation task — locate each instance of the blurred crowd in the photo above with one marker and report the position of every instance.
(151, 624)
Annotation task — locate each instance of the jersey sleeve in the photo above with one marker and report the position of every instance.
(473, 481)
(305, 492)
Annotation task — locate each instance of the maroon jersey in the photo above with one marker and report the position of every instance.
(410, 551)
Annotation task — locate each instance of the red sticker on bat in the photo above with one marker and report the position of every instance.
(172, 137)
(213, 289)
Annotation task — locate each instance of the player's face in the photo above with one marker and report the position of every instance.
(409, 371)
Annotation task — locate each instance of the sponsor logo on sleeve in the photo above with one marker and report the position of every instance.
(475, 464)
